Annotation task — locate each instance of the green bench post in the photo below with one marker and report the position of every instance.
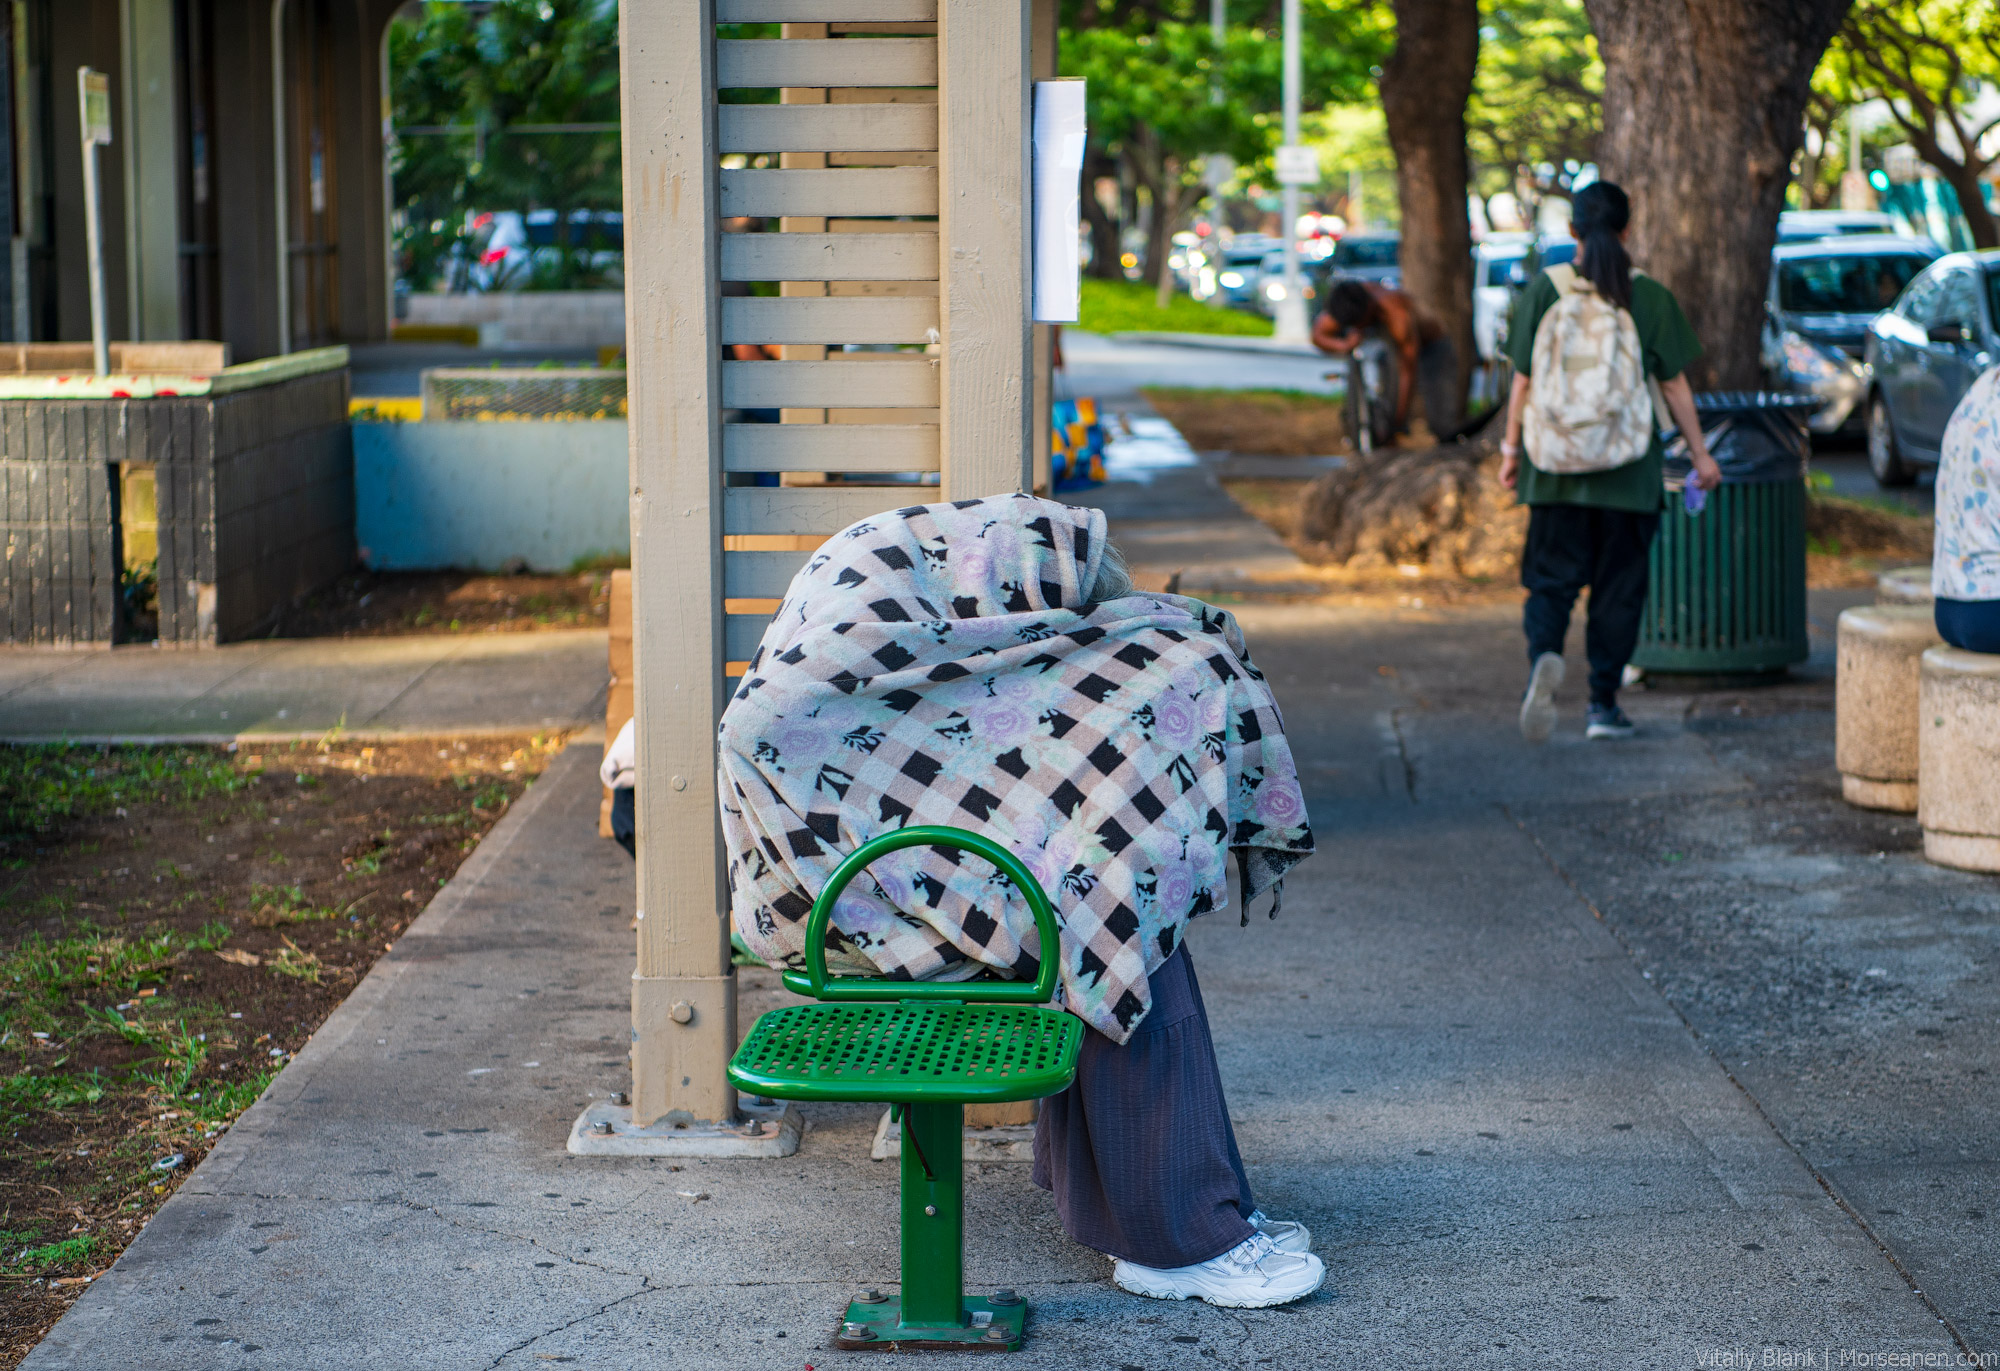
(928, 1048)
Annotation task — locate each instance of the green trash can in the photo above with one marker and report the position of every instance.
(1728, 589)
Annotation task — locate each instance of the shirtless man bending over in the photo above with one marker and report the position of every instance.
(1424, 353)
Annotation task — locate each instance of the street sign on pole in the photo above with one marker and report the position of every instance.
(1298, 166)
(93, 94)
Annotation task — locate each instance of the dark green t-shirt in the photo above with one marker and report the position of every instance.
(1668, 343)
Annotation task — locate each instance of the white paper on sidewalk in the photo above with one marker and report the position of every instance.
(1059, 139)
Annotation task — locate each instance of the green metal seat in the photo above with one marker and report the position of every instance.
(928, 1049)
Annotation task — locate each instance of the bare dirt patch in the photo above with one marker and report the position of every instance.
(1851, 542)
(1263, 423)
(398, 603)
(175, 922)
(1440, 516)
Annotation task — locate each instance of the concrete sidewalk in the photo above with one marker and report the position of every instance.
(1508, 1143)
(429, 686)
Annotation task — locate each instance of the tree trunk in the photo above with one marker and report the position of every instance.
(1103, 228)
(1425, 85)
(1704, 104)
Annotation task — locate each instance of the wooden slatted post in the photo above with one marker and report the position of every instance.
(683, 990)
(903, 214)
(985, 224)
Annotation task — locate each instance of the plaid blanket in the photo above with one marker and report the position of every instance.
(940, 665)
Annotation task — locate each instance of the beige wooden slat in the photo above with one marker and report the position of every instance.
(829, 447)
(882, 95)
(848, 62)
(838, 30)
(830, 256)
(812, 509)
(741, 633)
(823, 11)
(884, 289)
(881, 159)
(850, 191)
(761, 573)
(753, 319)
(890, 383)
(804, 127)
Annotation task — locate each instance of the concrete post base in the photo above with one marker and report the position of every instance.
(1898, 797)
(768, 1129)
(1875, 709)
(1958, 800)
(1962, 851)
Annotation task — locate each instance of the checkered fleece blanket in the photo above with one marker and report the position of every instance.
(939, 665)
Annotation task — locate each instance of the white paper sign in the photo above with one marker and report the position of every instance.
(1059, 139)
(1298, 166)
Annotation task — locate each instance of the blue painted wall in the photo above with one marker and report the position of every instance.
(474, 495)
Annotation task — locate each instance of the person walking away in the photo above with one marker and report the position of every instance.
(1424, 354)
(1597, 351)
(1965, 568)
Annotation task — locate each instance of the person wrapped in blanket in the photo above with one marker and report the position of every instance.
(988, 665)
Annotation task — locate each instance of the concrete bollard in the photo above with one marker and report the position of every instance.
(1875, 703)
(1904, 585)
(1958, 758)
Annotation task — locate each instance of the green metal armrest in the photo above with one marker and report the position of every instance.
(816, 983)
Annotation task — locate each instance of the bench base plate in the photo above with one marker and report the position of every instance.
(884, 1321)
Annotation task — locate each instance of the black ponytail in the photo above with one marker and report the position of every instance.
(1599, 213)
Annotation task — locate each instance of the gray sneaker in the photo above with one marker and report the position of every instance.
(1538, 705)
(1608, 721)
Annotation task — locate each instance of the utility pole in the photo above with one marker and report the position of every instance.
(1290, 313)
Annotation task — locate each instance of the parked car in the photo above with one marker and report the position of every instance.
(1805, 225)
(1270, 283)
(1924, 354)
(1822, 295)
(1374, 257)
(1241, 265)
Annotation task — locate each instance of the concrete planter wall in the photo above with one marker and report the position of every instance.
(253, 479)
(477, 496)
(553, 318)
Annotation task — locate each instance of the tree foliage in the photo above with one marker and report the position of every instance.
(1928, 59)
(487, 70)
(1153, 68)
(1536, 100)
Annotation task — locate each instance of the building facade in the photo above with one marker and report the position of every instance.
(236, 124)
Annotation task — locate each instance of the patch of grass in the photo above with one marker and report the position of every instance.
(298, 963)
(42, 785)
(22, 1096)
(68, 1252)
(43, 977)
(1129, 307)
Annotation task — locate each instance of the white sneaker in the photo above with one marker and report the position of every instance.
(1254, 1274)
(1284, 1234)
(1538, 706)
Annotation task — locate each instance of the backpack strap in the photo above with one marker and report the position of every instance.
(1563, 277)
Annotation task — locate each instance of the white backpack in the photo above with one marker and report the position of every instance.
(1591, 406)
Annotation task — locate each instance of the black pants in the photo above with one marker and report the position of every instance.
(1973, 625)
(1573, 546)
(624, 820)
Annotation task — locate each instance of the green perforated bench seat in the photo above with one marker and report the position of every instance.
(907, 1052)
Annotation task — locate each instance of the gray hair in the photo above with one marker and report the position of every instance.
(1114, 579)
